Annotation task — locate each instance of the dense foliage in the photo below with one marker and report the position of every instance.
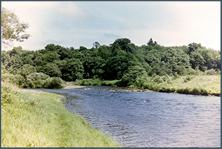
(122, 60)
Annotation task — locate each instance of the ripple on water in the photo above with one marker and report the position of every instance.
(150, 119)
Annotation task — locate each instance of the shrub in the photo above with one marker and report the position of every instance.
(195, 91)
(36, 80)
(26, 70)
(135, 76)
(8, 77)
(191, 71)
(167, 90)
(8, 92)
(158, 79)
(211, 72)
(183, 90)
(109, 83)
(53, 82)
(20, 80)
(188, 78)
(14, 79)
(199, 91)
(90, 82)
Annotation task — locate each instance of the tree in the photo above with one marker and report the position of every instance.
(13, 59)
(12, 28)
(123, 44)
(193, 47)
(117, 65)
(151, 42)
(27, 69)
(93, 67)
(72, 70)
(82, 48)
(51, 69)
(196, 60)
(134, 76)
(96, 45)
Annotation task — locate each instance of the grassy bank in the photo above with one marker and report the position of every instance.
(38, 119)
(192, 84)
(202, 84)
(196, 85)
(96, 82)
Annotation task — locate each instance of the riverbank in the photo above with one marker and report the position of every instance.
(39, 119)
(195, 84)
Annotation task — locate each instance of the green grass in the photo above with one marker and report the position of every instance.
(95, 82)
(211, 83)
(197, 84)
(38, 119)
(192, 84)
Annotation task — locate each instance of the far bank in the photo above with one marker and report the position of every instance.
(196, 85)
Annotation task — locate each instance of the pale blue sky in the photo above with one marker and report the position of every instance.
(82, 23)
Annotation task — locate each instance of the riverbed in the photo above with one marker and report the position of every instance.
(148, 119)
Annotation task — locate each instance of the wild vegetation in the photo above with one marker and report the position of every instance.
(148, 66)
(39, 119)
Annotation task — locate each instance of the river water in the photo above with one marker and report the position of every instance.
(149, 119)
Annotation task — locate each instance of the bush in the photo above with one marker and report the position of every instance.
(110, 83)
(135, 76)
(36, 80)
(184, 91)
(26, 70)
(20, 80)
(167, 90)
(54, 82)
(201, 91)
(188, 78)
(211, 72)
(90, 82)
(195, 91)
(158, 79)
(8, 92)
(8, 77)
(191, 71)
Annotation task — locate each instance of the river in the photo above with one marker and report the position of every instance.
(149, 119)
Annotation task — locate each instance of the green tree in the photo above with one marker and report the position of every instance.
(51, 69)
(196, 60)
(134, 76)
(72, 70)
(193, 47)
(93, 67)
(96, 45)
(26, 70)
(123, 44)
(12, 28)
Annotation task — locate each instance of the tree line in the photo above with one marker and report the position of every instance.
(122, 60)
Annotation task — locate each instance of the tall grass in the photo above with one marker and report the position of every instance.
(190, 84)
(38, 119)
(96, 82)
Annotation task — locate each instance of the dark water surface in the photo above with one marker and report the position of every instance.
(149, 119)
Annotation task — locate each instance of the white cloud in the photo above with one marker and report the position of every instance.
(38, 16)
(170, 23)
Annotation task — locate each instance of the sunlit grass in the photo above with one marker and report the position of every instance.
(38, 119)
(191, 84)
(210, 83)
